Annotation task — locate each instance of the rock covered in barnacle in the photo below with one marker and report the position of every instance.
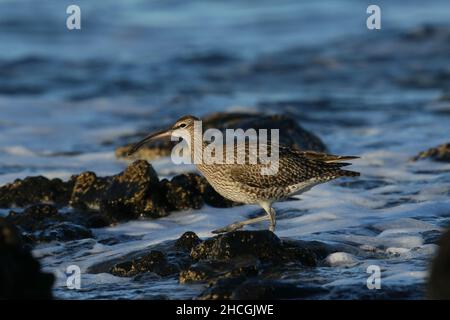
(32, 190)
(264, 245)
(154, 261)
(439, 153)
(183, 191)
(20, 273)
(133, 193)
(291, 134)
(88, 190)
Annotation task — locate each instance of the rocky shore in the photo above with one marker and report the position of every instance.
(236, 265)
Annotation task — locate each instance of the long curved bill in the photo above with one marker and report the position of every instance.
(153, 136)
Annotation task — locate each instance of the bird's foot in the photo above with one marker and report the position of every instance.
(229, 228)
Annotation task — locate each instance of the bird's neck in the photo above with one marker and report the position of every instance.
(196, 145)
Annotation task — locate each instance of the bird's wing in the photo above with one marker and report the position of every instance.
(293, 167)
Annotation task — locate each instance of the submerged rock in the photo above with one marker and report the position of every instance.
(291, 134)
(254, 289)
(20, 274)
(35, 217)
(64, 231)
(44, 223)
(439, 153)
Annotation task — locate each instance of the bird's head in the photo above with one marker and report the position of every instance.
(182, 128)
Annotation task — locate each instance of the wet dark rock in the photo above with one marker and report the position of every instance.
(291, 133)
(187, 241)
(133, 193)
(35, 217)
(166, 258)
(439, 153)
(439, 280)
(183, 192)
(234, 265)
(268, 289)
(20, 274)
(64, 231)
(97, 220)
(207, 271)
(88, 191)
(33, 190)
(155, 261)
(43, 223)
(264, 245)
(222, 289)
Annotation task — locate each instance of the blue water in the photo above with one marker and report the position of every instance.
(68, 98)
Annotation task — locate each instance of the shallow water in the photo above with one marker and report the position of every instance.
(67, 99)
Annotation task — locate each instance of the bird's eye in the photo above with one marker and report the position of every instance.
(183, 125)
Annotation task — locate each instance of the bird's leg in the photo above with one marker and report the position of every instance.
(240, 224)
(273, 222)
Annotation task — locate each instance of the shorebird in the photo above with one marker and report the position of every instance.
(298, 171)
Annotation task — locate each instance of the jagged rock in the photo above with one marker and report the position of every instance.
(203, 271)
(155, 261)
(264, 245)
(20, 274)
(88, 190)
(439, 153)
(33, 190)
(133, 193)
(168, 256)
(100, 201)
(183, 192)
(291, 133)
(229, 265)
(187, 241)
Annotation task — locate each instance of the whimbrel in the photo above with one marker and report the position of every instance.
(298, 171)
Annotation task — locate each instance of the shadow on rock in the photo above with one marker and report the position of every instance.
(20, 274)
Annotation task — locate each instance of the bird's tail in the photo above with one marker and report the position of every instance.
(334, 161)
